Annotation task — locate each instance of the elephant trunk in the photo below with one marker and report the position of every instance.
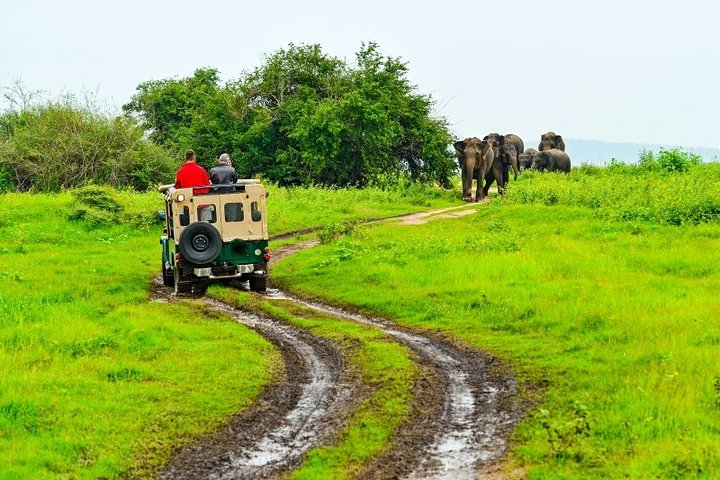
(467, 174)
(516, 168)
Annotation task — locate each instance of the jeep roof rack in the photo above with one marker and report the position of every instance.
(238, 183)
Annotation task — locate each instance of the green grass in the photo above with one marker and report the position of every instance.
(292, 209)
(96, 379)
(98, 382)
(613, 326)
(385, 369)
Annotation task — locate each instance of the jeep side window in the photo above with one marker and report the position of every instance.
(255, 213)
(207, 213)
(234, 212)
(185, 217)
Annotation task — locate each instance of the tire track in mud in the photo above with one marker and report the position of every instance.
(473, 414)
(289, 418)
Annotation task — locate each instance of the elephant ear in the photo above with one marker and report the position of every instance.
(459, 146)
(558, 139)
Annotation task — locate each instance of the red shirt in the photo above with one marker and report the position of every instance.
(191, 174)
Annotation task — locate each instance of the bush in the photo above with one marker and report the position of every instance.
(103, 205)
(669, 188)
(668, 161)
(59, 145)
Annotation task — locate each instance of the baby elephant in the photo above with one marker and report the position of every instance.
(553, 160)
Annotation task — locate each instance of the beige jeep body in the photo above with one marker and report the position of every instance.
(215, 232)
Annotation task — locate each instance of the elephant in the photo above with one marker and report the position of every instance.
(551, 140)
(475, 158)
(553, 160)
(525, 158)
(498, 140)
(506, 157)
(516, 141)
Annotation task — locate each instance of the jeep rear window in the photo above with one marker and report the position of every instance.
(255, 213)
(234, 212)
(207, 213)
(185, 217)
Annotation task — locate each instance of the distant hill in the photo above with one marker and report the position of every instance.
(599, 153)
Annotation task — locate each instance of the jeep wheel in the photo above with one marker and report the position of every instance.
(200, 243)
(168, 276)
(181, 285)
(258, 284)
(200, 287)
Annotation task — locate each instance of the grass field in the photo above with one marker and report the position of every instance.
(611, 321)
(98, 381)
(598, 288)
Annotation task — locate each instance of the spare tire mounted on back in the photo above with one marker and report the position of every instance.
(200, 243)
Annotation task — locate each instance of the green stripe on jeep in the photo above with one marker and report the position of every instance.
(240, 252)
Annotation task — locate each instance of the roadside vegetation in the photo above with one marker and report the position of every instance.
(61, 144)
(97, 380)
(598, 288)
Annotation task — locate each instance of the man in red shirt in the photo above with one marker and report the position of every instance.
(191, 174)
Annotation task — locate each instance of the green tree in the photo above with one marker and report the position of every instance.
(194, 112)
(305, 117)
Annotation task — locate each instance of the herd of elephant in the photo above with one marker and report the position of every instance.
(490, 160)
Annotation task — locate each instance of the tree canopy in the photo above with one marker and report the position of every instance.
(303, 117)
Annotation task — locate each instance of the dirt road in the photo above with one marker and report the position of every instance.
(465, 404)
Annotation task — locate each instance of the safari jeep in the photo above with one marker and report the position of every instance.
(216, 232)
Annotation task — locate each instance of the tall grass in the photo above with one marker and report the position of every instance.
(97, 380)
(610, 320)
(628, 193)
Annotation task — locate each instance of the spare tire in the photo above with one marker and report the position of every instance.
(200, 243)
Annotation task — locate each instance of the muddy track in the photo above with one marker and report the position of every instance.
(465, 404)
(454, 432)
(301, 410)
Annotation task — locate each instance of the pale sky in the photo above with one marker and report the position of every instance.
(618, 70)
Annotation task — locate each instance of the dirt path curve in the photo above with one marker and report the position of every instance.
(465, 404)
(472, 416)
(304, 408)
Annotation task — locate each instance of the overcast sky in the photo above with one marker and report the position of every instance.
(643, 71)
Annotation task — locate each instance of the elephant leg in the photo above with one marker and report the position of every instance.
(466, 185)
(479, 191)
(498, 172)
(489, 179)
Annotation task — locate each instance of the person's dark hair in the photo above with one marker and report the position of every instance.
(189, 155)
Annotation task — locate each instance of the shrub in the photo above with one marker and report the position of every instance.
(671, 188)
(103, 205)
(60, 145)
(668, 161)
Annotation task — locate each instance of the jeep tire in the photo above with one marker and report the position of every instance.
(200, 243)
(182, 285)
(258, 283)
(168, 275)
